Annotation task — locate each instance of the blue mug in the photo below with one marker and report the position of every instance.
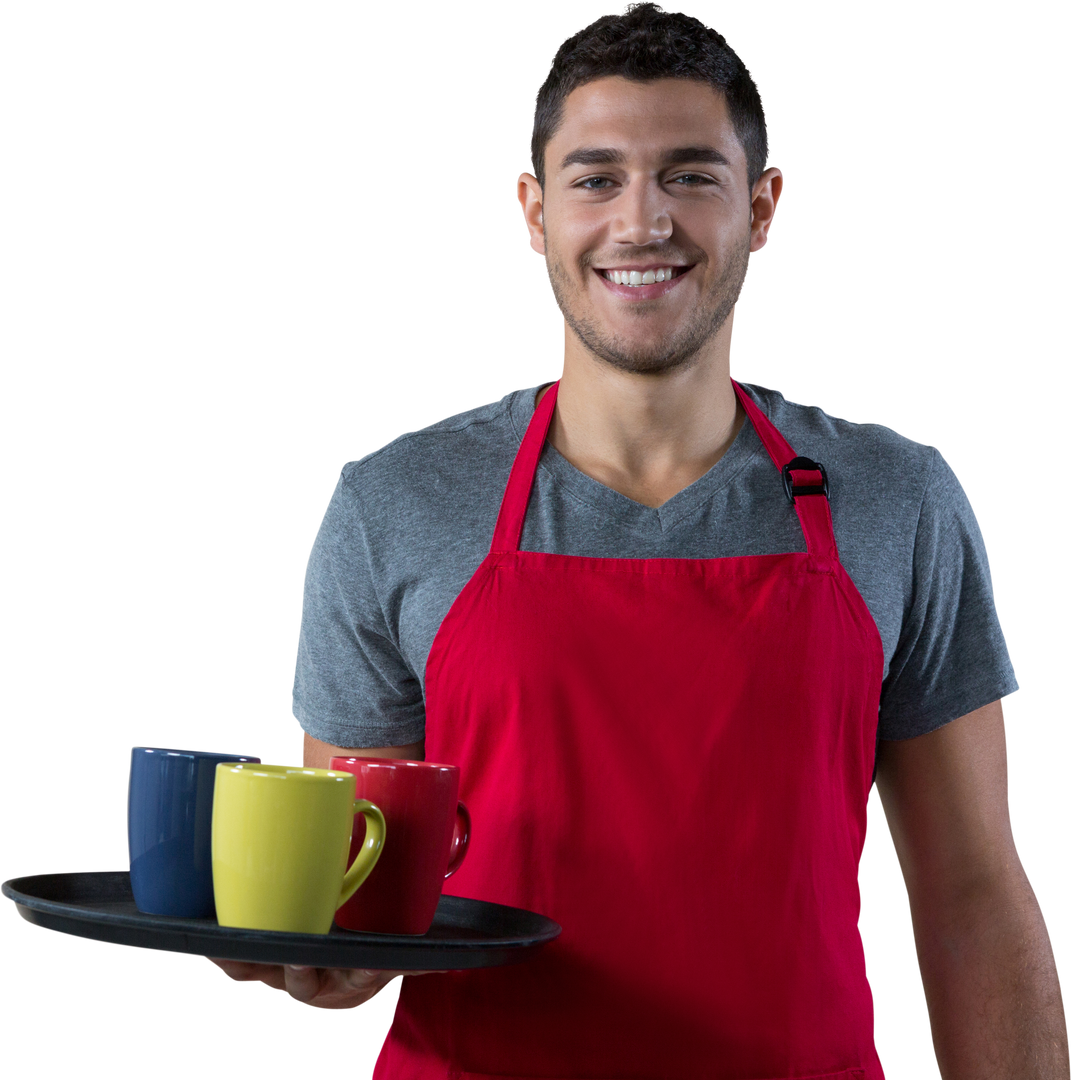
(169, 826)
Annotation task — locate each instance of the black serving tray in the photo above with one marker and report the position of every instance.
(465, 933)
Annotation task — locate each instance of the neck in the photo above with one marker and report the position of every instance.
(646, 436)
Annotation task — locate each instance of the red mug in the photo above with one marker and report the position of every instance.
(427, 837)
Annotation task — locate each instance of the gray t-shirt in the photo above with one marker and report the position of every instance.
(408, 526)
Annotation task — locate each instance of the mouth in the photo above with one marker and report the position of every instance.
(641, 282)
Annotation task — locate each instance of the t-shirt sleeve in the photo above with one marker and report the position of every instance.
(951, 657)
(352, 688)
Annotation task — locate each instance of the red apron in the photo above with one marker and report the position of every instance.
(671, 758)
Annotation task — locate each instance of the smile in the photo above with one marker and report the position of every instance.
(634, 278)
(640, 282)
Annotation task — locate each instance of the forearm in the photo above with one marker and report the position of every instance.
(991, 983)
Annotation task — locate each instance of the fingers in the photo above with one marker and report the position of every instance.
(302, 983)
(243, 971)
(324, 988)
(334, 988)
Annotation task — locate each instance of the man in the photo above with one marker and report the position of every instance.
(670, 651)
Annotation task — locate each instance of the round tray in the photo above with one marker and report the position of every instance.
(465, 934)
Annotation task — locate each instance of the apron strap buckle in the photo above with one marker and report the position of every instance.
(808, 484)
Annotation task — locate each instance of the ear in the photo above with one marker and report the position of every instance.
(531, 196)
(764, 196)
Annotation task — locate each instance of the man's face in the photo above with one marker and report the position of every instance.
(646, 183)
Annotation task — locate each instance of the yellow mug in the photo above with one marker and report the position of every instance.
(280, 843)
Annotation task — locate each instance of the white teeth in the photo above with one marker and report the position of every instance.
(635, 278)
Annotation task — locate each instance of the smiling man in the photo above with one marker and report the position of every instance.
(646, 220)
(670, 650)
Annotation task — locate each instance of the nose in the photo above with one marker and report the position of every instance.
(641, 214)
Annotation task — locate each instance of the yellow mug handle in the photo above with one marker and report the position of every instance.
(375, 829)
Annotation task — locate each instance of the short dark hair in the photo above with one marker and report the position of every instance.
(644, 44)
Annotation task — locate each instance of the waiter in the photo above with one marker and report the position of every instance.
(670, 650)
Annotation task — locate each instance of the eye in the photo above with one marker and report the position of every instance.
(692, 180)
(687, 176)
(595, 183)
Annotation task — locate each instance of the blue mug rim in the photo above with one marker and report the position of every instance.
(208, 755)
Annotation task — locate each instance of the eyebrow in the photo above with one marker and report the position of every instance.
(682, 155)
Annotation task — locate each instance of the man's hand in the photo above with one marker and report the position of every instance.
(326, 988)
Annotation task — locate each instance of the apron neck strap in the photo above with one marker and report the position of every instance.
(813, 509)
(510, 522)
(803, 485)
(776, 444)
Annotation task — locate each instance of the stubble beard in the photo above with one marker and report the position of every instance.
(680, 348)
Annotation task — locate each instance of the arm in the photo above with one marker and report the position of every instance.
(987, 966)
(318, 754)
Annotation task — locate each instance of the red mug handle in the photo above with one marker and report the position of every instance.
(460, 842)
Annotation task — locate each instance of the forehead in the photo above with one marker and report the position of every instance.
(641, 118)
